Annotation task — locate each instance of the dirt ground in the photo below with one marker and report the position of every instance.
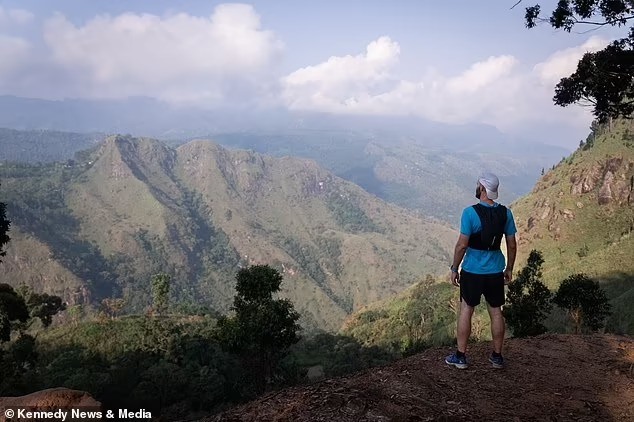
(547, 378)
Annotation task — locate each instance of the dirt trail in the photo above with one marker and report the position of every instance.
(547, 378)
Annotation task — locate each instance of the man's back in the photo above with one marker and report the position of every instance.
(479, 261)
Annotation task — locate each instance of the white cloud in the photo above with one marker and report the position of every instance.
(229, 58)
(342, 82)
(564, 62)
(178, 57)
(15, 52)
(17, 16)
(499, 90)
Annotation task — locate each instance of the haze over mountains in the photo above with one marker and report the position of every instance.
(404, 160)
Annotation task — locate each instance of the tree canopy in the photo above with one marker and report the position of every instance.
(4, 229)
(528, 299)
(585, 301)
(263, 327)
(603, 79)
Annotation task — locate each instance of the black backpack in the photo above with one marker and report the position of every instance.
(493, 221)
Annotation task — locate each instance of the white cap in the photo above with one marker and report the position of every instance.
(490, 182)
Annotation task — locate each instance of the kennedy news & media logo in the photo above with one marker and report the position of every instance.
(37, 414)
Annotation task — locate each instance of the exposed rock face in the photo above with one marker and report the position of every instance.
(51, 399)
(605, 192)
(586, 183)
(609, 177)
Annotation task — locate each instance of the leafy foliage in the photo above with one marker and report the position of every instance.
(604, 78)
(160, 292)
(585, 301)
(4, 229)
(528, 299)
(421, 317)
(42, 305)
(12, 308)
(350, 215)
(263, 328)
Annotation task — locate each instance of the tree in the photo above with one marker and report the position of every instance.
(41, 305)
(263, 328)
(584, 300)
(528, 299)
(160, 292)
(603, 79)
(112, 307)
(4, 229)
(12, 308)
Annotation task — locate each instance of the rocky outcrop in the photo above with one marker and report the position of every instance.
(51, 399)
(609, 179)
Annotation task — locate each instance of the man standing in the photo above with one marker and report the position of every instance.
(483, 270)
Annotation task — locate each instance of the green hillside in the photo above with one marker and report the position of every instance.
(431, 173)
(100, 227)
(581, 216)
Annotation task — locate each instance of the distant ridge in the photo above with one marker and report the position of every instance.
(103, 225)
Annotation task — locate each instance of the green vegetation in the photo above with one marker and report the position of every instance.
(528, 299)
(603, 78)
(4, 229)
(407, 173)
(423, 316)
(349, 215)
(580, 216)
(160, 292)
(12, 309)
(179, 365)
(263, 328)
(584, 300)
(132, 208)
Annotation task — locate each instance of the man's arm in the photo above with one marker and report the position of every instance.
(458, 254)
(511, 251)
(460, 249)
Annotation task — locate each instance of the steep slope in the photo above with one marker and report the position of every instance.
(432, 171)
(581, 216)
(136, 207)
(550, 377)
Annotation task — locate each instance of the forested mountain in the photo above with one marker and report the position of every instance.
(101, 226)
(418, 164)
(32, 146)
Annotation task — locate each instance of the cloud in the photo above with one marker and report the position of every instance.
(178, 57)
(564, 62)
(228, 58)
(499, 90)
(18, 50)
(338, 82)
(15, 16)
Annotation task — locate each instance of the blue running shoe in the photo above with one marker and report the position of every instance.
(497, 361)
(460, 363)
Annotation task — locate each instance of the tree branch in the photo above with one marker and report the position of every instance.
(608, 22)
(518, 2)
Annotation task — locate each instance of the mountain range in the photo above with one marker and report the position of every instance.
(418, 164)
(102, 225)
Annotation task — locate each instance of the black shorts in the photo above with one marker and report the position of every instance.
(472, 286)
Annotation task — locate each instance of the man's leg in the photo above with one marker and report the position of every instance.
(497, 328)
(464, 325)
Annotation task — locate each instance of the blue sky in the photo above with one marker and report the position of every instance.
(452, 61)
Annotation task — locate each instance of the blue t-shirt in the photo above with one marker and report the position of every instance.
(483, 262)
